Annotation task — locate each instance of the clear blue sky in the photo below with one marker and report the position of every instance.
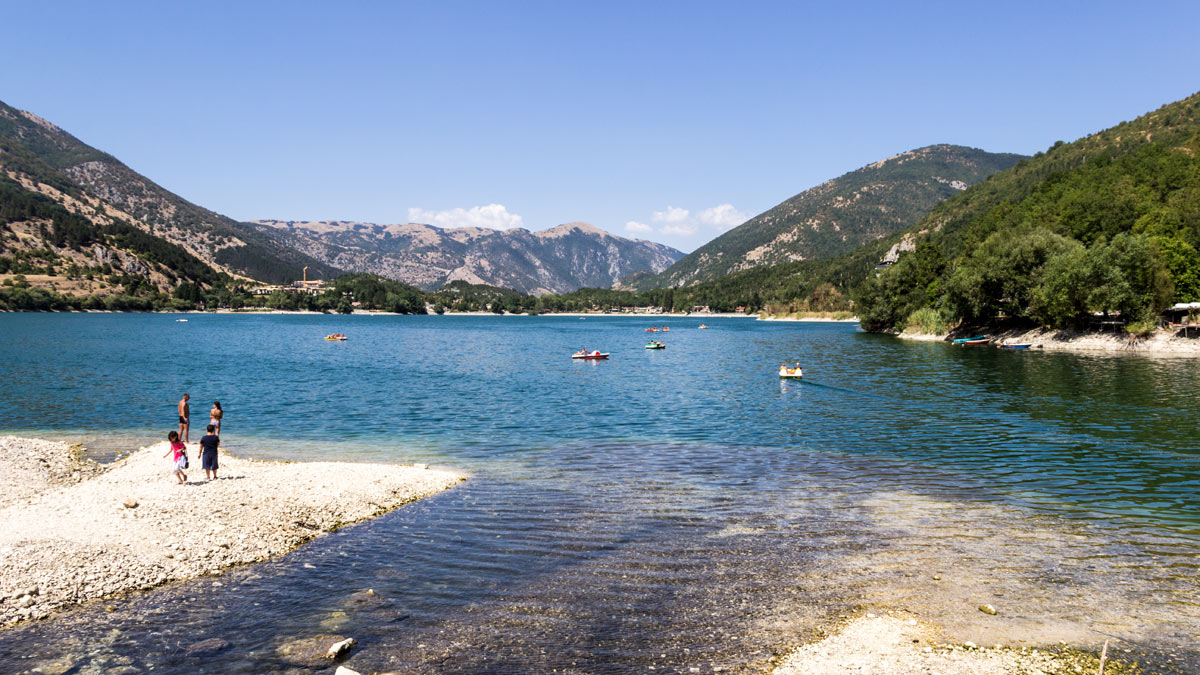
(607, 112)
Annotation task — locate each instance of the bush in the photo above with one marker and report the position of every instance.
(929, 321)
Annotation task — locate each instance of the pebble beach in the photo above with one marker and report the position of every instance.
(75, 530)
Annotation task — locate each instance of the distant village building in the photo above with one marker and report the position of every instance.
(301, 287)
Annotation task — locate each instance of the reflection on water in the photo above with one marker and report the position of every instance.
(675, 509)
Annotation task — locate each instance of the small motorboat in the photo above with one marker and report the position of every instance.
(1025, 345)
(336, 337)
(974, 342)
(181, 320)
(590, 356)
(963, 341)
(792, 373)
(655, 344)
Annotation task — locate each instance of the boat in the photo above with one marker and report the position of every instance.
(652, 330)
(960, 341)
(336, 337)
(590, 356)
(792, 373)
(974, 342)
(655, 344)
(666, 329)
(703, 325)
(181, 321)
(1025, 345)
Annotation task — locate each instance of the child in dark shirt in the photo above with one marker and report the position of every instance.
(208, 452)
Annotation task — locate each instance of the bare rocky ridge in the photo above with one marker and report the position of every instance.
(68, 538)
(557, 260)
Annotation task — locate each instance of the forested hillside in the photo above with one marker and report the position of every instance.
(1108, 224)
(41, 158)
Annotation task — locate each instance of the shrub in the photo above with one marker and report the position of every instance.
(927, 320)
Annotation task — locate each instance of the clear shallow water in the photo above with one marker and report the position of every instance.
(679, 508)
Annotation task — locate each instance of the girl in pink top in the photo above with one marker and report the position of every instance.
(179, 452)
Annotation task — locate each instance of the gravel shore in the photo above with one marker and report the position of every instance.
(1159, 343)
(75, 530)
(900, 645)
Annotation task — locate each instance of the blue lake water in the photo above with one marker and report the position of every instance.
(681, 508)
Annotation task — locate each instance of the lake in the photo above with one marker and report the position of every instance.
(681, 508)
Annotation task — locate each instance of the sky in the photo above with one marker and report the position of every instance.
(668, 121)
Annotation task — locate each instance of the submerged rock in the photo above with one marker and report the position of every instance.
(307, 652)
(208, 647)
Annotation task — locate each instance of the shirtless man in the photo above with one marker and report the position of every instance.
(184, 414)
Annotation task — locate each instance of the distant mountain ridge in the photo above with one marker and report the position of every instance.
(838, 215)
(556, 260)
(43, 159)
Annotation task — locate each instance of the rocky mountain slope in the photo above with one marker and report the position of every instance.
(838, 215)
(557, 260)
(112, 206)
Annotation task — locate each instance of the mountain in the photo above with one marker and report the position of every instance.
(111, 201)
(1107, 224)
(838, 215)
(557, 260)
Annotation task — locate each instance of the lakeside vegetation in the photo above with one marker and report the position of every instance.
(1106, 226)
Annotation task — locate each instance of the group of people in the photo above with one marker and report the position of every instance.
(208, 442)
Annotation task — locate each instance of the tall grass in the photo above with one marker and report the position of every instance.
(927, 320)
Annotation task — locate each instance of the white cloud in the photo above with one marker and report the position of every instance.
(679, 230)
(723, 217)
(676, 221)
(492, 217)
(672, 215)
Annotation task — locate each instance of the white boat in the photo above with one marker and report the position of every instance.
(793, 373)
(590, 356)
(180, 320)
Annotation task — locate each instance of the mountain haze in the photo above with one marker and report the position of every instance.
(838, 215)
(558, 260)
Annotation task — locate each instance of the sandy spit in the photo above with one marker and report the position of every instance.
(900, 645)
(819, 319)
(1160, 343)
(74, 530)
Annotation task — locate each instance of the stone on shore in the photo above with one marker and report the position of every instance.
(338, 650)
(307, 652)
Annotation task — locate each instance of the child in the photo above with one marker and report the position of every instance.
(208, 452)
(180, 456)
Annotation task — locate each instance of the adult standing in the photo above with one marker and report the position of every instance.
(215, 416)
(208, 452)
(185, 414)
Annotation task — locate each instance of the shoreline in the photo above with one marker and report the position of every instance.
(77, 531)
(897, 643)
(1160, 343)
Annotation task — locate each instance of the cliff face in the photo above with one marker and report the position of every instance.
(558, 260)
